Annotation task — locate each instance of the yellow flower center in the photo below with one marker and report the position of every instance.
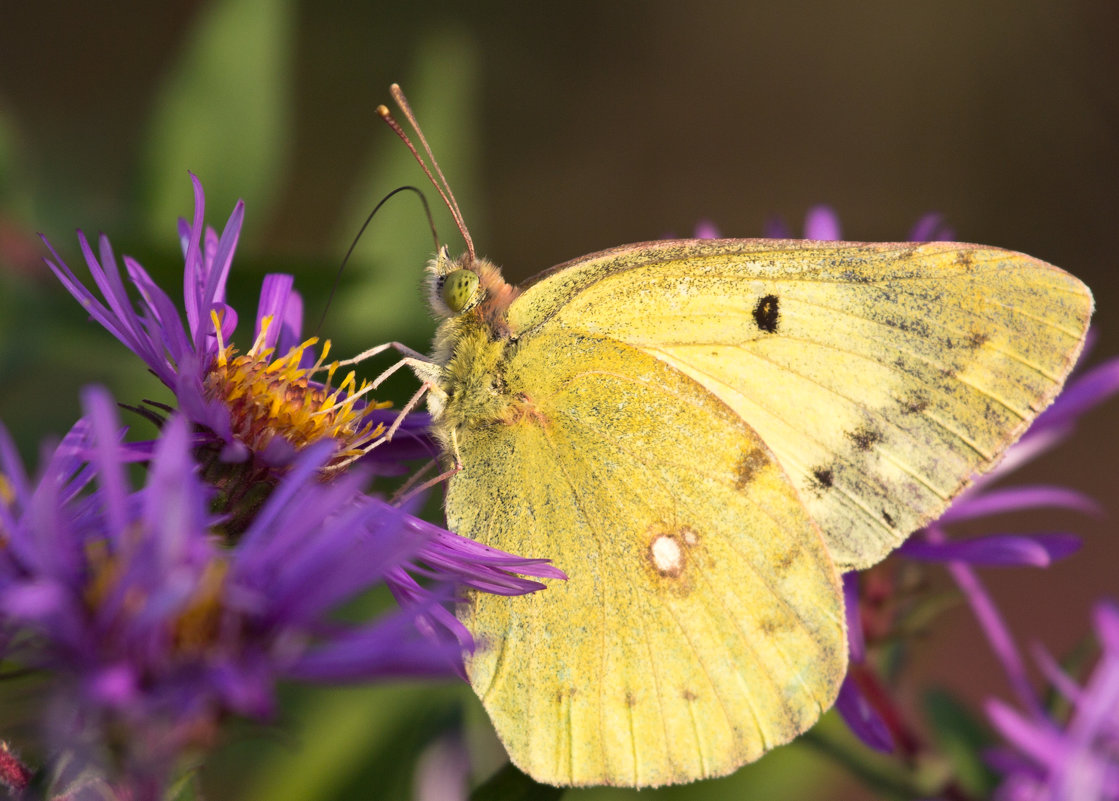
(198, 624)
(274, 397)
(7, 498)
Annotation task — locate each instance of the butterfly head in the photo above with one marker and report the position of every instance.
(453, 287)
(456, 287)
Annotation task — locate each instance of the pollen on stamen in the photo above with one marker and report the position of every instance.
(271, 397)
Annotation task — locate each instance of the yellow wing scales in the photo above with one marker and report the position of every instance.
(703, 548)
(702, 434)
(883, 377)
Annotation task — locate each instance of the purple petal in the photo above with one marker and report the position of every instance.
(437, 622)
(776, 228)
(1037, 550)
(931, 228)
(274, 293)
(162, 321)
(1018, 499)
(217, 270)
(1033, 444)
(1105, 615)
(114, 685)
(227, 318)
(245, 685)
(1006, 760)
(480, 566)
(862, 718)
(11, 467)
(269, 519)
(705, 229)
(412, 440)
(174, 500)
(856, 641)
(351, 556)
(101, 412)
(1039, 740)
(822, 223)
(124, 326)
(195, 265)
(1054, 674)
(1086, 391)
(1091, 762)
(35, 600)
(213, 414)
(391, 648)
(993, 625)
(108, 280)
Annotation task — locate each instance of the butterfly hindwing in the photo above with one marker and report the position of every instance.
(702, 623)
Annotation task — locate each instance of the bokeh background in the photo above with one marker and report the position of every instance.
(564, 128)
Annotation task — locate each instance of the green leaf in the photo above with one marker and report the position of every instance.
(353, 742)
(380, 301)
(224, 113)
(962, 738)
(15, 188)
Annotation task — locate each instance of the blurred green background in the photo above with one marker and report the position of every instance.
(563, 129)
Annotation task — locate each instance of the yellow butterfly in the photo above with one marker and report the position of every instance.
(703, 434)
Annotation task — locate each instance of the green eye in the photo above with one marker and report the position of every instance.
(458, 289)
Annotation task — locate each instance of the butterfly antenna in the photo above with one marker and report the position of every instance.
(441, 185)
(364, 225)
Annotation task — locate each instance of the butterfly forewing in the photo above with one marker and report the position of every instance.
(882, 376)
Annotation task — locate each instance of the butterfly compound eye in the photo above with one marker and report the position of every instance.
(459, 287)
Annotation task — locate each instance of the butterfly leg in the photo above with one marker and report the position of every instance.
(425, 369)
(409, 406)
(399, 347)
(422, 366)
(406, 492)
(396, 423)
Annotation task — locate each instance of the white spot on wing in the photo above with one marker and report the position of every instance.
(667, 556)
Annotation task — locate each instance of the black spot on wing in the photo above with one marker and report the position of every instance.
(824, 477)
(865, 437)
(914, 403)
(766, 314)
(889, 518)
(977, 339)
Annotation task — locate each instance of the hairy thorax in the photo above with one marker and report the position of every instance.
(471, 390)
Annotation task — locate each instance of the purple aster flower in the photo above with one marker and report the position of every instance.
(152, 631)
(265, 403)
(1074, 758)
